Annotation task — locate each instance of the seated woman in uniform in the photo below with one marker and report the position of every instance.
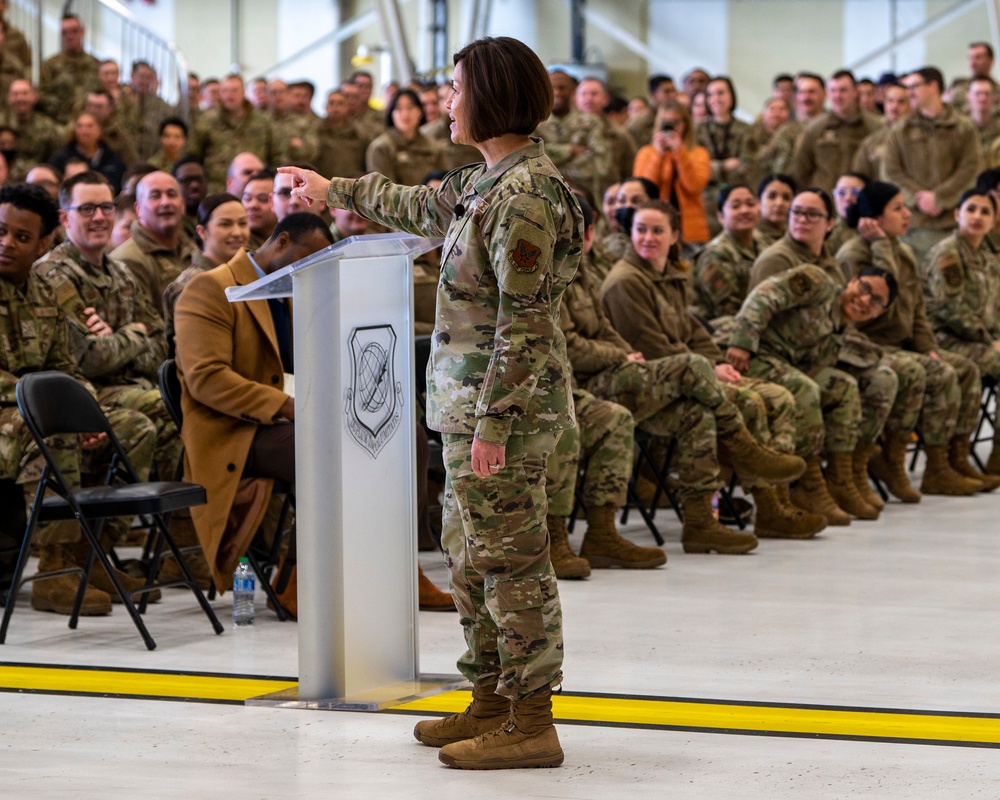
(775, 193)
(962, 282)
(722, 270)
(403, 154)
(631, 192)
(949, 408)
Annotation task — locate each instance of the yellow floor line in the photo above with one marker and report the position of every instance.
(846, 723)
(788, 720)
(137, 684)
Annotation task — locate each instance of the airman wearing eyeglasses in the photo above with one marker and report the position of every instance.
(791, 331)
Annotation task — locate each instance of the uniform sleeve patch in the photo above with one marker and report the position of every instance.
(950, 271)
(524, 256)
(800, 284)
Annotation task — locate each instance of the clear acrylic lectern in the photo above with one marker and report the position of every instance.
(355, 458)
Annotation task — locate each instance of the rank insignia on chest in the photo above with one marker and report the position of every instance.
(524, 256)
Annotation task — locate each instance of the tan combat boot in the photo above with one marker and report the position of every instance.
(59, 594)
(958, 458)
(487, 712)
(940, 478)
(811, 494)
(604, 547)
(567, 564)
(429, 597)
(859, 467)
(890, 467)
(750, 456)
(99, 578)
(840, 483)
(777, 518)
(527, 739)
(703, 533)
(183, 533)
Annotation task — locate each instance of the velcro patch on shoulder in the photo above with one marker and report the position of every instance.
(523, 256)
(800, 283)
(950, 270)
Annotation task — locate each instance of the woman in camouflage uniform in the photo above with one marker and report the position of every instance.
(498, 390)
(962, 282)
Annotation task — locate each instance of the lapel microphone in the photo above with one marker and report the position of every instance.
(459, 211)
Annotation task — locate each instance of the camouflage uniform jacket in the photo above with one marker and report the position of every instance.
(127, 356)
(219, 137)
(963, 292)
(454, 155)
(64, 81)
(787, 253)
(782, 147)
(871, 154)
(839, 236)
(722, 275)
(826, 148)
(401, 161)
(640, 128)
(905, 323)
(498, 361)
(988, 135)
(561, 134)
(33, 335)
(304, 128)
(591, 341)
(341, 149)
(722, 141)
(768, 233)
(650, 310)
(16, 43)
(939, 155)
(38, 137)
(795, 316)
(152, 264)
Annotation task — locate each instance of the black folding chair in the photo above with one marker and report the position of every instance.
(53, 404)
(987, 416)
(261, 555)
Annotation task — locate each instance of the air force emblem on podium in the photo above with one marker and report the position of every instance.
(374, 401)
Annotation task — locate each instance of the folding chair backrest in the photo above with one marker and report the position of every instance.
(53, 403)
(170, 390)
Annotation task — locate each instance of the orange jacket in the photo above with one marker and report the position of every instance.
(685, 172)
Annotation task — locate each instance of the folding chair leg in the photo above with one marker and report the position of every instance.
(22, 561)
(96, 550)
(189, 578)
(265, 584)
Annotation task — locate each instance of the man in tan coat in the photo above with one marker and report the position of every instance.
(231, 358)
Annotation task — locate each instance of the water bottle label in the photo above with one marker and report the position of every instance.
(243, 585)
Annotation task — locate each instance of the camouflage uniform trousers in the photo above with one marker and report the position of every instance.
(603, 440)
(922, 241)
(646, 389)
(21, 460)
(987, 361)
(827, 405)
(496, 546)
(149, 403)
(950, 400)
(879, 387)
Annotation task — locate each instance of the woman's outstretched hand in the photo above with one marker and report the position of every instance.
(310, 186)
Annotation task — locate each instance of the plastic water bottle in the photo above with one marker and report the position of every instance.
(243, 586)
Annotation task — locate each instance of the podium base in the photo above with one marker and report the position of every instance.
(375, 700)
